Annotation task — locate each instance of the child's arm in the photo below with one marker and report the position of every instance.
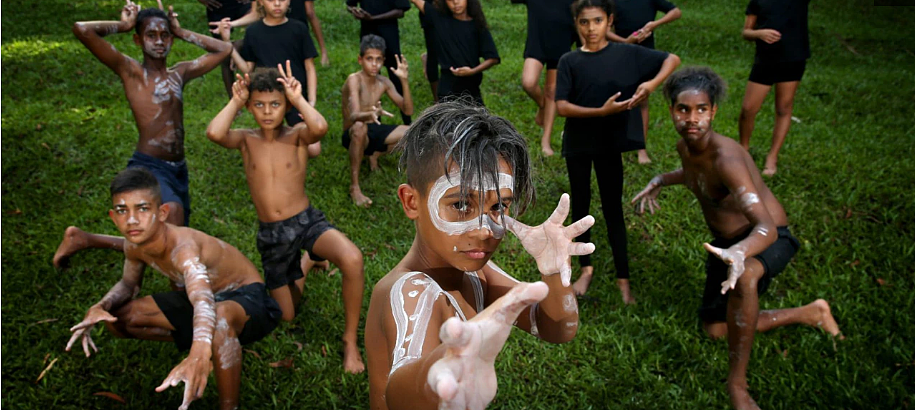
(311, 75)
(219, 129)
(570, 110)
(315, 125)
(649, 195)
(351, 87)
(669, 16)
(121, 292)
(224, 28)
(452, 366)
(217, 50)
(467, 71)
(645, 89)
(315, 24)
(736, 177)
(195, 368)
(750, 33)
(405, 102)
(90, 33)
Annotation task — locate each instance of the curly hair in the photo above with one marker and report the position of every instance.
(695, 78)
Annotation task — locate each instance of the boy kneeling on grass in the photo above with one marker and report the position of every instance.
(437, 321)
(276, 158)
(223, 306)
(752, 242)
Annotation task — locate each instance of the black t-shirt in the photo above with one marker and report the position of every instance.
(297, 10)
(376, 7)
(550, 28)
(788, 17)
(460, 43)
(588, 79)
(631, 15)
(268, 46)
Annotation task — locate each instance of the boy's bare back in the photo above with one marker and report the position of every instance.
(723, 209)
(369, 93)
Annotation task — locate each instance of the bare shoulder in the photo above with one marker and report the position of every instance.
(351, 81)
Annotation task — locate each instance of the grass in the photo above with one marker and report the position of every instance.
(845, 178)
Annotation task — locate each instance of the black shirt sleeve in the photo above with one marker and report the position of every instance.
(247, 52)
(663, 6)
(649, 62)
(487, 45)
(308, 45)
(753, 8)
(401, 4)
(563, 79)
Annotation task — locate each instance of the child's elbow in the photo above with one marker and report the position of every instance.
(212, 135)
(319, 129)
(79, 29)
(562, 108)
(674, 59)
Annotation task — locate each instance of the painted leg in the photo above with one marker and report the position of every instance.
(530, 81)
(76, 239)
(784, 105)
(816, 314)
(743, 312)
(334, 246)
(549, 112)
(227, 353)
(643, 153)
(752, 101)
(359, 139)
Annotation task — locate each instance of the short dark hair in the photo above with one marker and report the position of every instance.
(468, 136)
(605, 5)
(149, 13)
(265, 80)
(695, 78)
(135, 179)
(474, 11)
(371, 41)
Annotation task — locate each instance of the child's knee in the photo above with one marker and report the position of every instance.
(784, 109)
(229, 321)
(747, 283)
(715, 330)
(530, 83)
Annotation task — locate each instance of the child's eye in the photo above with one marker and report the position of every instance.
(275, 105)
(501, 206)
(461, 206)
(258, 105)
(144, 209)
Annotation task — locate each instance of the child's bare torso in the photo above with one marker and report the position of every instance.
(275, 170)
(370, 92)
(227, 267)
(721, 207)
(155, 98)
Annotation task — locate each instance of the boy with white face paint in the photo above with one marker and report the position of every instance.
(224, 303)
(752, 241)
(438, 320)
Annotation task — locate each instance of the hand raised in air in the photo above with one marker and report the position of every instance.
(401, 70)
(293, 87)
(129, 14)
(240, 88)
(550, 243)
(465, 377)
(222, 27)
(83, 330)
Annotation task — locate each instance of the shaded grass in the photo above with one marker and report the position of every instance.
(845, 178)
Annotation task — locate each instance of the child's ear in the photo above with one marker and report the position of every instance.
(714, 110)
(409, 199)
(111, 215)
(136, 40)
(164, 210)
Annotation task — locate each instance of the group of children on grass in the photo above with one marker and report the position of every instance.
(439, 318)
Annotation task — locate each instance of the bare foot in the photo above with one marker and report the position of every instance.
(547, 150)
(643, 157)
(373, 161)
(358, 198)
(826, 321)
(539, 118)
(623, 284)
(352, 360)
(770, 168)
(581, 285)
(74, 240)
(741, 399)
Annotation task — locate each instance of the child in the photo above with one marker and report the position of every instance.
(550, 34)
(465, 169)
(779, 29)
(154, 92)
(275, 158)
(277, 39)
(227, 10)
(363, 132)
(596, 88)
(462, 37)
(304, 11)
(379, 17)
(430, 57)
(752, 242)
(634, 24)
(224, 304)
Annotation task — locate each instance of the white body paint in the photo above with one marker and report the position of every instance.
(195, 275)
(446, 182)
(230, 350)
(762, 231)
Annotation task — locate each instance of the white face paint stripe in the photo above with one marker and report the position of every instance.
(477, 290)
(446, 182)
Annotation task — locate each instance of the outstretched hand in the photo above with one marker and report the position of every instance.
(293, 87)
(611, 106)
(401, 70)
(83, 330)
(465, 377)
(378, 111)
(735, 257)
(193, 371)
(240, 88)
(550, 243)
(649, 196)
(222, 27)
(644, 91)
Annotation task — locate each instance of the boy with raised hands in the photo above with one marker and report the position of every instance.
(275, 160)
(752, 241)
(224, 303)
(155, 94)
(438, 320)
(363, 132)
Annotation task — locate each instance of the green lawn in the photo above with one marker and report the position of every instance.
(845, 179)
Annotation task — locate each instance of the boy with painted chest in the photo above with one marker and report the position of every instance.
(752, 242)
(440, 317)
(224, 303)
(275, 159)
(154, 92)
(363, 132)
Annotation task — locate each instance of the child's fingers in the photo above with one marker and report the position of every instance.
(562, 210)
(386, 114)
(86, 345)
(288, 69)
(581, 248)
(160, 5)
(579, 227)
(73, 339)
(91, 343)
(517, 228)
(442, 380)
(713, 250)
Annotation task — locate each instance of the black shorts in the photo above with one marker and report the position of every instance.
(263, 313)
(774, 260)
(280, 245)
(172, 177)
(377, 134)
(771, 73)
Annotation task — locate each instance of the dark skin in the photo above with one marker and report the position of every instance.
(734, 199)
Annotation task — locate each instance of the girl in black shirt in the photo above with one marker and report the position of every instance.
(597, 88)
(779, 28)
